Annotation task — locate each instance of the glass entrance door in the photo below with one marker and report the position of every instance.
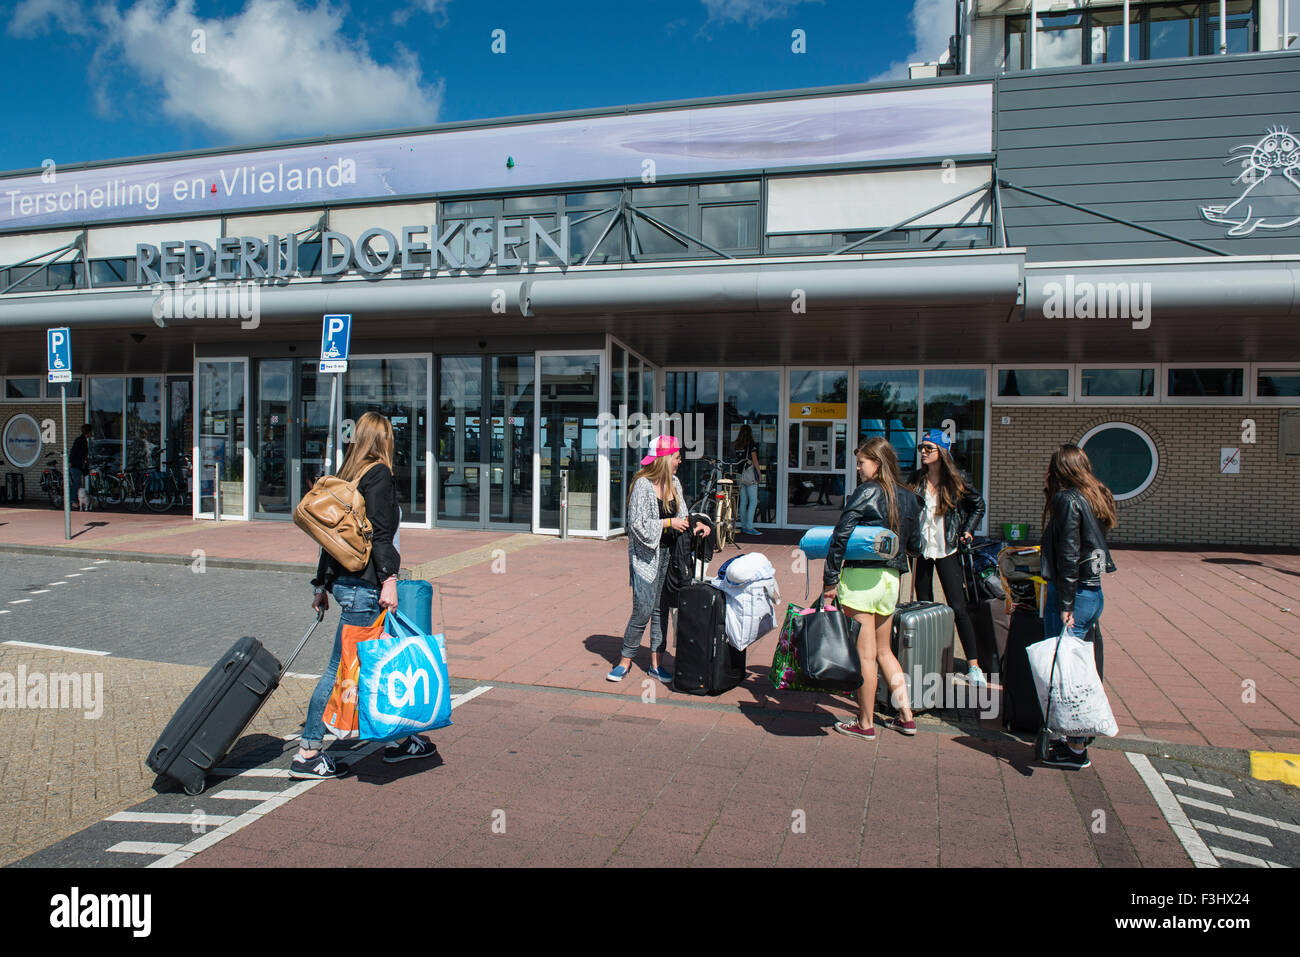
(485, 441)
(818, 449)
(292, 401)
(220, 421)
(568, 406)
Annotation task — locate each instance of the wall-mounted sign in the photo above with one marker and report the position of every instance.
(1271, 197)
(1229, 461)
(22, 441)
(819, 410)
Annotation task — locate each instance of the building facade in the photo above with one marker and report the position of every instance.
(1098, 252)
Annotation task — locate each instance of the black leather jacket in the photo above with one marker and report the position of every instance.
(868, 506)
(970, 510)
(1074, 551)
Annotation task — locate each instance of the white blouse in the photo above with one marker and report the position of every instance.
(934, 544)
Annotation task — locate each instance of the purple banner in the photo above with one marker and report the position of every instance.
(866, 128)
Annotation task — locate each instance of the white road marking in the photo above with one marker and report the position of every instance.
(78, 651)
(183, 854)
(101, 561)
(233, 794)
(73, 575)
(1240, 815)
(1177, 820)
(149, 817)
(89, 568)
(52, 584)
(1203, 805)
(4, 611)
(1243, 858)
(1230, 832)
(20, 601)
(143, 847)
(1193, 783)
(39, 591)
(299, 674)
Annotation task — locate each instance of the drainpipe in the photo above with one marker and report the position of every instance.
(1033, 34)
(1126, 29)
(968, 41)
(1223, 27)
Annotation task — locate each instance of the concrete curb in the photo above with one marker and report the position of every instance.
(245, 564)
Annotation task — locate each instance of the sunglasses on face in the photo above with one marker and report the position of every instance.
(927, 449)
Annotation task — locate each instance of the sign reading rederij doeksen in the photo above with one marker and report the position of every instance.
(871, 127)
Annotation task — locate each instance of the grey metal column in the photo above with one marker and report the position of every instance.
(67, 492)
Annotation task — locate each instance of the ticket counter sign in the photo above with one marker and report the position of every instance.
(819, 410)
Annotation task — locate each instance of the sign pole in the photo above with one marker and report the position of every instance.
(329, 441)
(67, 492)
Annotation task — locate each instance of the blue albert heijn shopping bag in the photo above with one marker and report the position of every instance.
(404, 684)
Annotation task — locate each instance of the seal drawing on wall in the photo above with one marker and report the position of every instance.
(1271, 200)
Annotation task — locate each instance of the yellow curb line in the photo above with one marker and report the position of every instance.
(1275, 766)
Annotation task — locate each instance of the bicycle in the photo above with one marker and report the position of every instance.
(163, 489)
(105, 487)
(722, 490)
(52, 481)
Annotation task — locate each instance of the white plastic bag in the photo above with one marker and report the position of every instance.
(1079, 707)
(750, 609)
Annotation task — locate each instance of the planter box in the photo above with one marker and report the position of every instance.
(232, 498)
(582, 511)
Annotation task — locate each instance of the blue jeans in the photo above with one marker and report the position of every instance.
(748, 503)
(359, 604)
(1088, 604)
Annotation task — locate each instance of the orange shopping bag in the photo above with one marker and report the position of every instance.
(341, 709)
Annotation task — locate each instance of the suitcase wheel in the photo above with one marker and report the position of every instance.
(195, 789)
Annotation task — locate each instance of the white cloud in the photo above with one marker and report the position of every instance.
(434, 8)
(932, 23)
(274, 69)
(751, 11)
(32, 17)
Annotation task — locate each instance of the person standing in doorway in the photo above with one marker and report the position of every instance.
(751, 473)
(78, 467)
(953, 511)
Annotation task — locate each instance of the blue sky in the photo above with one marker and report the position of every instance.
(114, 78)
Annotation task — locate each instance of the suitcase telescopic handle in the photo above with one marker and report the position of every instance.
(320, 615)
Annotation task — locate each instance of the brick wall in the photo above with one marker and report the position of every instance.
(1189, 502)
(40, 410)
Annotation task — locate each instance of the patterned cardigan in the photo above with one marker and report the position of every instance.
(645, 528)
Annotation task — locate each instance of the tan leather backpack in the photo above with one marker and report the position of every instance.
(333, 513)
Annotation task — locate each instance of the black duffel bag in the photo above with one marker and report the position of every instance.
(826, 642)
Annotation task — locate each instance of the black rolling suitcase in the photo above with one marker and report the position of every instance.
(218, 710)
(706, 663)
(981, 615)
(1020, 708)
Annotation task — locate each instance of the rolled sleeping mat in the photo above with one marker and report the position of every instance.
(867, 543)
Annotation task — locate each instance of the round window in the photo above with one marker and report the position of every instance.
(1123, 456)
(22, 441)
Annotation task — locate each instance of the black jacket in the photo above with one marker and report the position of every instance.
(379, 490)
(79, 454)
(970, 510)
(1074, 550)
(868, 506)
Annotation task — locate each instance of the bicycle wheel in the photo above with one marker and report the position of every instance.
(110, 491)
(724, 530)
(158, 495)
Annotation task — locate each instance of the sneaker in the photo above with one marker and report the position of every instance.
(413, 747)
(320, 767)
(618, 674)
(901, 726)
(662, 674)
(854, 730)
(975, 677)
(751, 531)
(1060, 756)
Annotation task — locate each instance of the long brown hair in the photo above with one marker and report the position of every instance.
(743, 438)
(1071, 469)
(372, 441)
(951, 486)
(659, 472)
(886, 459)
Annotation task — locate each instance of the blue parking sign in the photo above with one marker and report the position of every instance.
(58, 360)
(336, 333)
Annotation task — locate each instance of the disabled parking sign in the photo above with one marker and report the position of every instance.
(58, 361)
(336, 334)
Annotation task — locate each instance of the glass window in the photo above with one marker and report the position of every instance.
(112, 272)
(1122, 456)
(1278, 383)
(569, 405)
(823, 387)
(1060, 39)
(746, 189)
(395, 388)
(477, 207)
(1107, 40)
(584, 233)
(105, 416)
(694, 395)
(754, 399)
(221, 435)
(1017, 44)
(887, 408)
(601, 199)
(1098, 383)
(1033, 382)
(955, 400)
(1174, 30)
(656, 241)
(661, 194)
(619, 457)
(143, 421)
(893, 236)
(530, 204)
(730, 227)
(74, 389)
(1197, 383)
(510, 465)
(1241, 26)
(799, 241)
(25, 388)
(309, 257)
(460, 387)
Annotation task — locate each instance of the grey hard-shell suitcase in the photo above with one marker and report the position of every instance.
(218, 710)
(922, 641)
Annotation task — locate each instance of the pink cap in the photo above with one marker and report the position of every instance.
(661, 446)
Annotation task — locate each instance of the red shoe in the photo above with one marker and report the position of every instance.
(855, 730)
(902, 727)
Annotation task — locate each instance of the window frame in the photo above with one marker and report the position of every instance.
(1129, 427)
(1066, 399)
(1167, 399)
(4, 390)
(1076, 385)
(55, 397)
(1254, 369)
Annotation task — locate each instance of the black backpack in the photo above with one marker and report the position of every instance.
(686, 550)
